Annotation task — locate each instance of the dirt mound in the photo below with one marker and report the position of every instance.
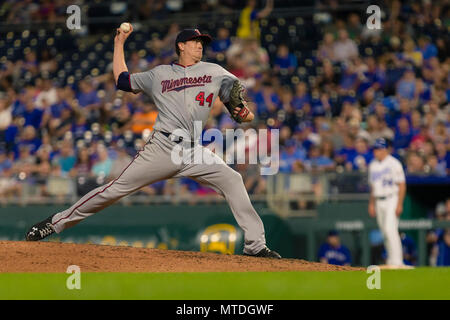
(17, 256)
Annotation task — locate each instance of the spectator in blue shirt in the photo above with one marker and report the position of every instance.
(55, 110)
(374, 74)
(320, 103)
(406, 87)
(348, 150)
(222, 42)
(423, 92)
(266, 100)
(66, 158)
(5, 162)
(403, 134)
(416, 122)
(301, 97)
(29, 139)
(361, 159)
(404, 110)
(32, 115)
(10, 135)
(349, 79)
(318, 161)
(443, 156)
(333, 252)
(87, 95)
(303, 132)
(79, 126)
(441, 250)
(285, 62)
(290, 154)
(409, 250)
(102, 168)
(394, 72)
(189, 184)
(382, 112)
(428, 49)
(88, 99)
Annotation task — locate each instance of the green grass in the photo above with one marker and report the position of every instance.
(421, 283)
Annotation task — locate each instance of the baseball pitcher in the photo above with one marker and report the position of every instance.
(388, 188)
(183, 93)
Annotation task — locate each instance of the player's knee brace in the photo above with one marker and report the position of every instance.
(123, 82)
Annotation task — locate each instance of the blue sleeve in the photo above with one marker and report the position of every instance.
(433, 51)
(40, 114)
(322, 251)
(293, 60)
(275, 99)
(254, 15)
(96, 99)
(350, 158)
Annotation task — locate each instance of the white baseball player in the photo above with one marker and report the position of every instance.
(387, 182)
(183, 93)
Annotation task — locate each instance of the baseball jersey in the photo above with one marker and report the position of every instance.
(183, 94)
(337, 256)
(385, 175)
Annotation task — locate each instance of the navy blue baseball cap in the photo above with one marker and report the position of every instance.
(380, 143)
(191, 34)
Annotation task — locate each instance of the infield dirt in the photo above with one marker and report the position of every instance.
(19, 256)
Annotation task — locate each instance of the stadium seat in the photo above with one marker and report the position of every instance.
(58, 186)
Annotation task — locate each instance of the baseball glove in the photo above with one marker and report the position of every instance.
(237, 101)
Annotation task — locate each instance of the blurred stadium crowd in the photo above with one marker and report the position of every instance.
(326, 81)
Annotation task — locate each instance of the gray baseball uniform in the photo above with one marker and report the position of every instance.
(182, 95)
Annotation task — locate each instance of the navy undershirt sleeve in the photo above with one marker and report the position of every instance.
(123, 82)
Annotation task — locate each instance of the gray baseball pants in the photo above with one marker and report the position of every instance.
(154, 163)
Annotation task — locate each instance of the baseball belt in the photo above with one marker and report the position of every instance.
(176, 139)
(384, 197)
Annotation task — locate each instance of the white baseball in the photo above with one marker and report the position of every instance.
(125, 27)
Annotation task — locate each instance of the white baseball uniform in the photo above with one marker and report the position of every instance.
(384, 177)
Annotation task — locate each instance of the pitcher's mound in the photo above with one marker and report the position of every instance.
(18, 256)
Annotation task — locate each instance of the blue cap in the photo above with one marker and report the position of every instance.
(380, 143)
(191, 34)
(332, 233)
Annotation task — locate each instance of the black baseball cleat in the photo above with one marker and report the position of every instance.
(40, 230)
(265, 253)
